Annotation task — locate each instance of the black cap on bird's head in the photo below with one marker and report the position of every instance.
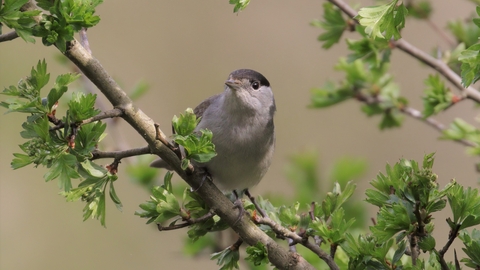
(249, 74)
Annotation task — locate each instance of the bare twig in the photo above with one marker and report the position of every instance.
(451, 237)
(433, 123)
(121, 154)
(414, 113)
(187, 222)
(104, 115)
(8, 36)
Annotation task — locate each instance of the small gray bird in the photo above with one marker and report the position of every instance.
(241, 120)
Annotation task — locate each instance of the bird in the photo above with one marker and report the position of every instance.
(241, 119)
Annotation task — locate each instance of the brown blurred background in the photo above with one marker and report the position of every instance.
(185, 50)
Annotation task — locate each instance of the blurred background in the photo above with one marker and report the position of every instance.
(185, 50)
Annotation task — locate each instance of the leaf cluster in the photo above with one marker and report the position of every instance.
(14, 18)
(64, 18)
(368, 83)
(407, 196)
(197, 147)
(65, 151)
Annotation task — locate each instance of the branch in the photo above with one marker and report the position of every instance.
(212, 196)
(8, 36)
(414, 113)
(451, 237)
(422, 56)
(104, 115)
(284, 232)
(187, 223)
(118, 155)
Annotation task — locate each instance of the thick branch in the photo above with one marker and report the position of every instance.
(213, 197)
(422, 56)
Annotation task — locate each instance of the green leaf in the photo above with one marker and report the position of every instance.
(470, 68)
(334, 24)
(139, 90)
(227, 258)
(427, 243)
(420, 9)
(81, 106)
(383, 21)
(257, 254)
(20, 161)
(472, 248)
(60, 88)
(186, 123)
(114, 197)
(437, 96)
(63, 168)
(239, 5)
(329, 95)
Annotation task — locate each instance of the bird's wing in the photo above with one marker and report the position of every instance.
(202, 107)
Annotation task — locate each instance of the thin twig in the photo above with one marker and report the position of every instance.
(104, 115)
(121, 154)
(187, 223)
(284, 232)
(414, 113)
(8, 36)
(84, 40)
(451, 237)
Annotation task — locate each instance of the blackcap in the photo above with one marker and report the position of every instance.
(241, 120)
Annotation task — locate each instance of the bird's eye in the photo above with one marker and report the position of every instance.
(255, 85)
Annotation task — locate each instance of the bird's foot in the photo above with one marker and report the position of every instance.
(206, 175)
(238, 204)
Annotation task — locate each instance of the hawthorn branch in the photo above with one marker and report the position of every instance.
(144, 125)
(437, 64)
(414, 113)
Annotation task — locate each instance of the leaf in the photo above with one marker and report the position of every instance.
(239, 5)
(383, 21)
(257, 254)
(329, 95)
(60, 88)
(81, 106)
(63, 168)
(227, 258)
(437, 96)
(333, 23)
(186, 123)
(470, 68)
(114, 197)
(20, 161)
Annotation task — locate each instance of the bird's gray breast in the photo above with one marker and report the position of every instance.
(244, 143)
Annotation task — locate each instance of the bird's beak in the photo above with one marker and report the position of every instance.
(233, 84)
